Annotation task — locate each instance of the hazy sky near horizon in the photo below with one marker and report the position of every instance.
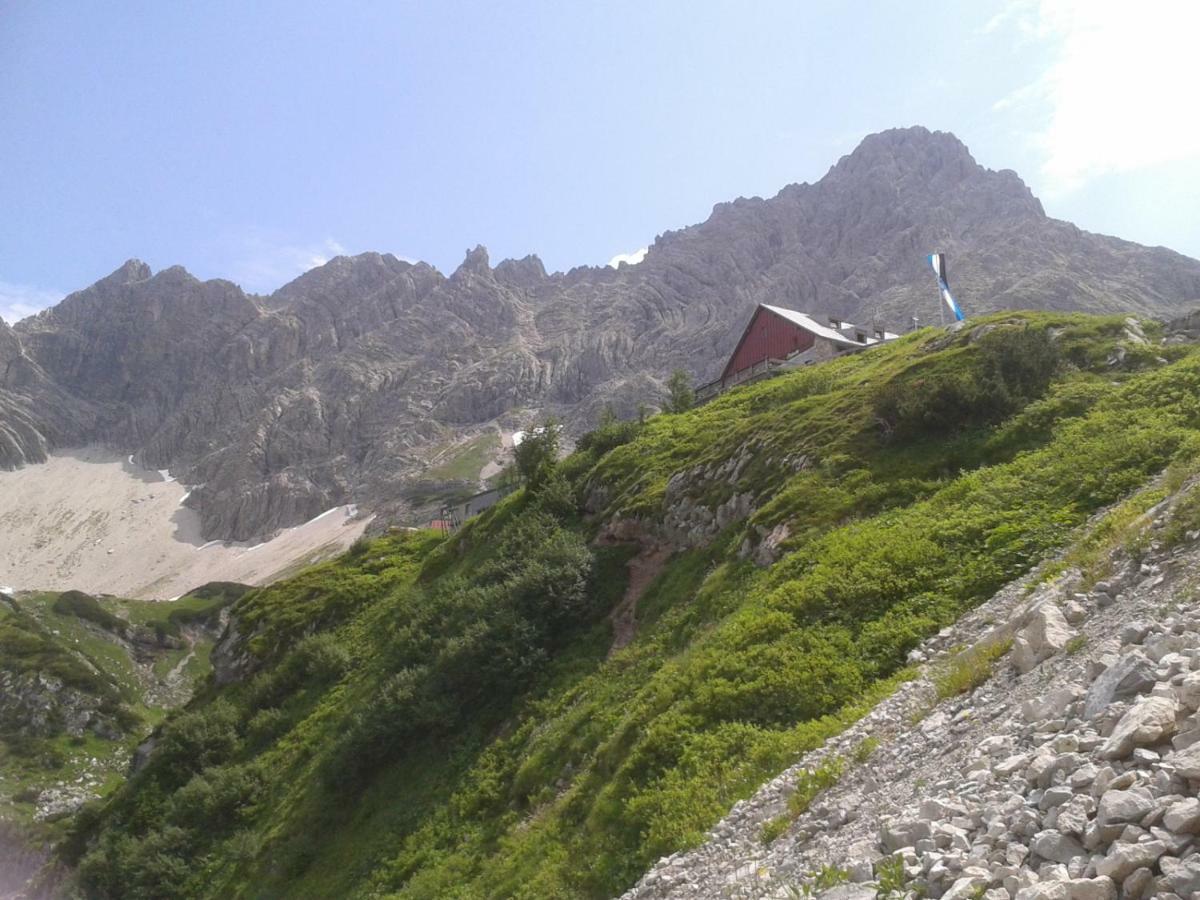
(252, 141)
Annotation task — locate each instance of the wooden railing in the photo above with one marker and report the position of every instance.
(706, 392)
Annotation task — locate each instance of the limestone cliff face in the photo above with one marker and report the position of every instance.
(36, 413)
(332, 389)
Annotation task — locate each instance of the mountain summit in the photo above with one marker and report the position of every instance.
(335, 388)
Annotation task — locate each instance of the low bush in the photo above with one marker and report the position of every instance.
(608, 437)
(1016, 364)
(193, 740)
(967, 670)
(86, 607)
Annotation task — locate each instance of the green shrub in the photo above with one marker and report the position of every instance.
(608, 436)
(865, 749)
(680, 396)
(1184, 519)
(811, 783)
(774, 828)
(537, 454)
(195, 739)
(316, 661)
(967, 670)
(829, 877)
(891, 879)
(1015, 366)
(153, 867)
(1075, 644)
(266, 725)
(217, 799)
(87, 607)
(471, 641)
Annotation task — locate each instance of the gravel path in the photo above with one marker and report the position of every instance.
(643, 569)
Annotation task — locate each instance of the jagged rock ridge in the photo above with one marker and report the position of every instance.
(332, 389)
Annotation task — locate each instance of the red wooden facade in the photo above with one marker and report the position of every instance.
(768, 336)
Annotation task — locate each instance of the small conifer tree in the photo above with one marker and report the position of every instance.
(680, 396)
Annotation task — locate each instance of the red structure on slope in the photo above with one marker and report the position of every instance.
(777, 338)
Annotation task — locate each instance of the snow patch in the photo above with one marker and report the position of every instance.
(321, 516)
(517, 437)
(166, 475)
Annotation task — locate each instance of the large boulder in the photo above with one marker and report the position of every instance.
(1186, 761)
(1124, 806)
(1132, 674)
(1122, 859)
(1150, 720)
(1045, 633)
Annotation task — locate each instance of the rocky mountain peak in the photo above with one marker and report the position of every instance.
(919, 161)
(523, 272)
(130, 271)
(342, 278)
(475, 263)
(913, 150)
(173, 276)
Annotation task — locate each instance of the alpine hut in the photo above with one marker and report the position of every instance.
(778, 338)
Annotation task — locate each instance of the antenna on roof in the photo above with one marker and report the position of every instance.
(938, 262)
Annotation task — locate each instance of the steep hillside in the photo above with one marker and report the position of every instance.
(503, 714)
(336, 388)
(1046, 747)
(82, 680)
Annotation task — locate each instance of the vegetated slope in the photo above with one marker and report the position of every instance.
(82, 681)
(430, 717)
(1047, 746)
(338, 387)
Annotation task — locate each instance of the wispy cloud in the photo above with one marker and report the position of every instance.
(20, 300)
(261, 265)
(631, 258)
(1115, 95)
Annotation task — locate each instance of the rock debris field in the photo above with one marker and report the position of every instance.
(91, 520)
(1070, 774)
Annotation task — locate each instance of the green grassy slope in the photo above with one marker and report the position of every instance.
(430, 718)
(115, 656)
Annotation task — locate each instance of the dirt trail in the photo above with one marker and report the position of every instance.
(643, 569)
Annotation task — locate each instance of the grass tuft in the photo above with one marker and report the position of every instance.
(970, 668)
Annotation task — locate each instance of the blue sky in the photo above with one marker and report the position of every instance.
(254, 140)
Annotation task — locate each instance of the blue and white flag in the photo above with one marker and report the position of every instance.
(938, 261)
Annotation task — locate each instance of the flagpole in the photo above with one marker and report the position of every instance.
(941, 301)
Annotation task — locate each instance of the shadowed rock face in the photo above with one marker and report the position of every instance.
(331, 389)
